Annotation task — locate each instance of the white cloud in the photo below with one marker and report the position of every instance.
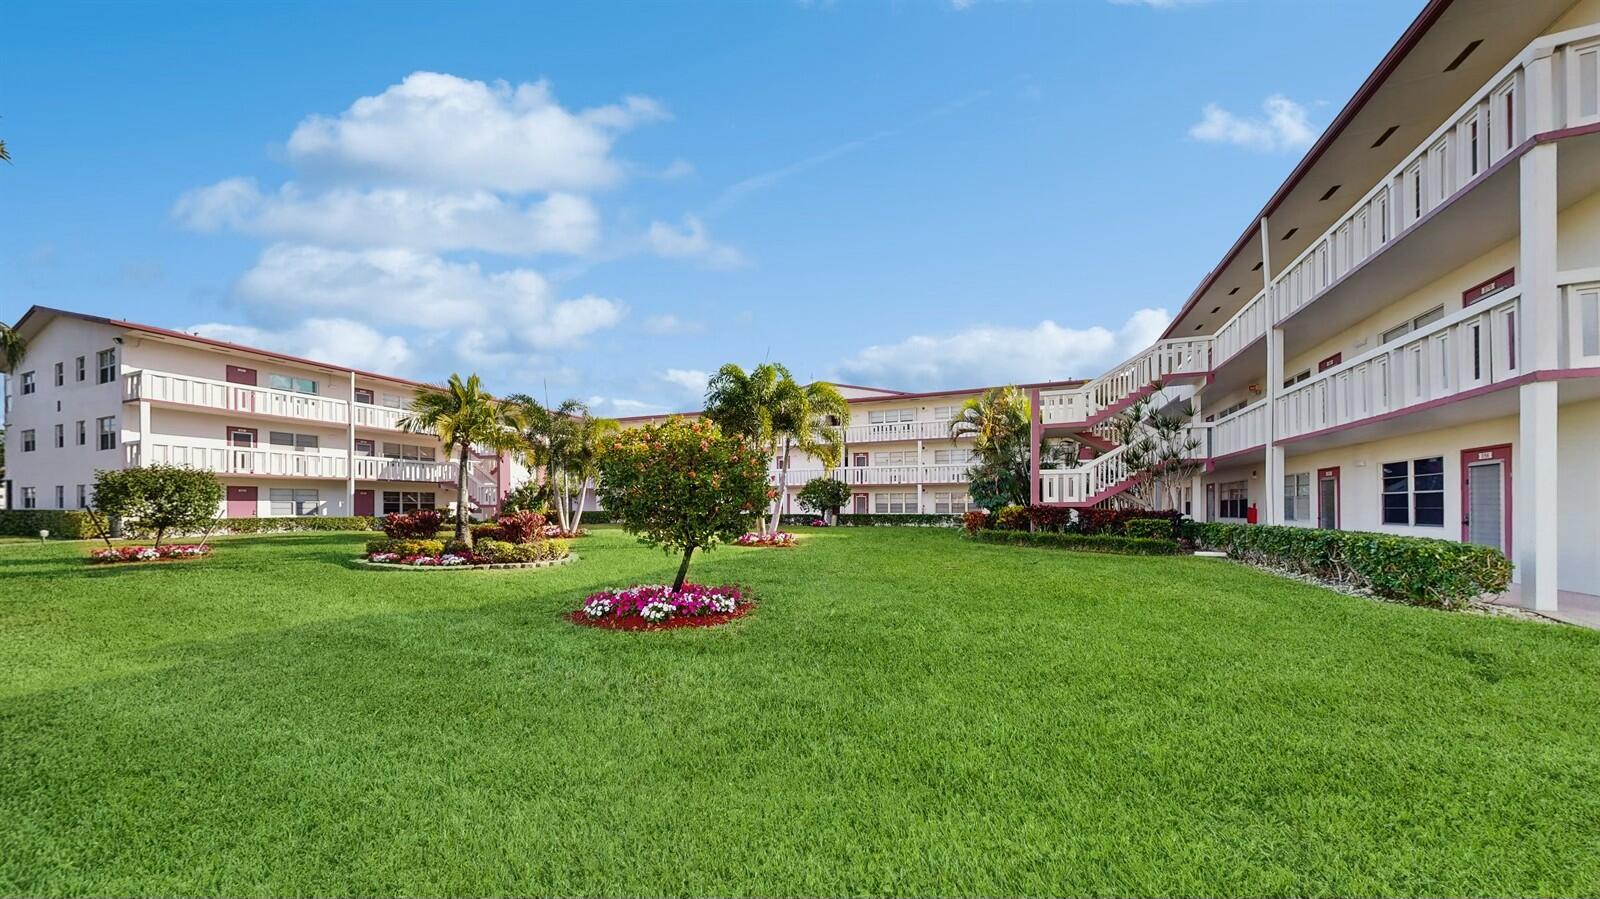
(447, 131)
(988, 355)
(1284, 125)
(418, 290)
(418, 218)
(671, 324)
(622, 406)
(691, 381)
(691, 242)
(337, 340)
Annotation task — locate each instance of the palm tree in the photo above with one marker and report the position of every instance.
(998, 423)
(464, 415)
(12, 347)
(589, 438)
(745, 405)
(5, 155)
(810, 419)
(565, 442)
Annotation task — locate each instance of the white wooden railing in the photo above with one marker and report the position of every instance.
(272, 461)
(1189, 355)
(880, 475)
(1083, 482)
(1473, 347)
(1241, 430)
(370, 416)
(900, 430)
(374, 468)
(1247, 326)
(1502, 114)
(222, 396)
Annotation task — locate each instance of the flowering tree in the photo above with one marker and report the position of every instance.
(682, 485)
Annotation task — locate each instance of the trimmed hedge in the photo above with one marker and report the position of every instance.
(1422, 571)
(1089, 543)
(300, 523)
(890, 520)
(495, 551)
(66, 524)
(1152, 528)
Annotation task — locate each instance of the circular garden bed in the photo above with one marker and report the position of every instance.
(439, 563)
(775, 540)
(657, 607)
(124, 555)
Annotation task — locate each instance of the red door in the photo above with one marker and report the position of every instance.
(1486, 496)
(861, 504)
(244, 400)
(242, 502)
(237, 375)
(364, 502)
(1328, 498)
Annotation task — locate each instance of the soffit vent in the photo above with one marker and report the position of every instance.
(1385, 136)
(1462, 56)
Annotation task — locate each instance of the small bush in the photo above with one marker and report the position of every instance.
(1115, 521)
(487, 531)
(421, 524)
(1422, 571)
(457, 548)
(1011, 518)
(553, 549)
(498, 551)
(521, 527)
(1091, 543)
(406, 547)
(975, 520)
(300, 523)
(1050, 518)
(1150, 528)
(29, 522)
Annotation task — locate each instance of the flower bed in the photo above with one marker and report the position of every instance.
(488, 554)
(778, 538)
(554, 532)
(658, 607)
(171, 553)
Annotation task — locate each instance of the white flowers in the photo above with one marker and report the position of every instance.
(598, 607)
(656, 611)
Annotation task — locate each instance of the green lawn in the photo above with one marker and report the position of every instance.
(905, 713)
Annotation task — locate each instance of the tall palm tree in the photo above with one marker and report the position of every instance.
(464, 415)
(745, 405)
(546, 438)
(998, 423)
(811, 419)
(589, 438)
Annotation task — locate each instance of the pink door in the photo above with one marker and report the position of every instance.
(860, 503)
(237, 375)
(242, 502)
(242, 399)
(364, 502)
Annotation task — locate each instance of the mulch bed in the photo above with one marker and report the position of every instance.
(635, 623)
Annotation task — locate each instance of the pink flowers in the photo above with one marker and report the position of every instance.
(778, 538)
(149, 553)
(657, 604)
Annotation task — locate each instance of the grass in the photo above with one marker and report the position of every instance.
(906, 713)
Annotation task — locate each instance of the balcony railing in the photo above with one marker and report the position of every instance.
(265, 461)
(1190, 355)
(371, 468)
(1502, 114)
(221, 396)
(1474, 347)
(882, 475)
(1241, 430)
(900, 430)
(1084, 482)
(385, 417)
(1247, 326)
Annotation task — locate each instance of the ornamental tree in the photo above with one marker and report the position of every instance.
(158, 498)
(824, 495)
(682, 485)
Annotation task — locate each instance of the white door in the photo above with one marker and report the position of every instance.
(1486, 504)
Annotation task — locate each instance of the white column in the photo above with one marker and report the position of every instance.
(1536, 492)
(350, 451)
(1535, 488)
(1270, 510)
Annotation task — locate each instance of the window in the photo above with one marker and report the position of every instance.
(61, 496)
(951, 503)
(407, 451)
(61, 374)
(107, 429)
(297, 502)
(83, 496)
(406, 501)
(1235, 501)
(82, 369)
(894, 503)
(895, 457)
(28, 441)
(290, 383)
(952, 457)
(945, 413)
(394, 401)
(363, 396)
(61, 436)
(1297, 497)
(28, 385)
(1421, 321)
(298, 442)
(1413, 492)
(1295, 379)
(891, 416)
(83, 433)
(105, 363)
(364, 447)
(30, 498)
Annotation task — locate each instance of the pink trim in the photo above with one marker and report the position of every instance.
(1477, 293)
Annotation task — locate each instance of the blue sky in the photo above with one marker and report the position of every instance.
(607, 200)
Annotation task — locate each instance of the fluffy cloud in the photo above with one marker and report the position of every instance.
(1283, 125)
(691, 242)
(668, 324)
(995, 355)
(452, 132)
(336, 340)
(417, 218)
(411, 289)
(691, 381)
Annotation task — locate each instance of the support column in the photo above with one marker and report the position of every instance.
(350, 450)
(1536, 491)
(1535, 485)
(1271, 506)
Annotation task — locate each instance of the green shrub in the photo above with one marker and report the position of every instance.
(1421, 571)
(29, 522)
(553, 549)
(497, 551)
(406, 547)
(1089, 543)
(1011, 518)
(1151, 528)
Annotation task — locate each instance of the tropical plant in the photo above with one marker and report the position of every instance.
(565, 443)
(810, 418)
(748, 406)
(12, 347)
(159, 498)
(998, 423)
(824, 495)
(682, 485)
(1160, 449)
(464, 415)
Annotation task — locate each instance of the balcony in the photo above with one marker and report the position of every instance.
(1247, 326)
(1470, 349)
(371, 468)
(900, 430)
(231, 460)
(243, 399)
(881, 475)
(1104, 396)
(382, 417)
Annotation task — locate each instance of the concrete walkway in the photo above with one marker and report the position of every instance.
(1581, 609)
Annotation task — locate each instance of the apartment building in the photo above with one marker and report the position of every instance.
(899, 457)
(1406, 339)
(286, 436)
